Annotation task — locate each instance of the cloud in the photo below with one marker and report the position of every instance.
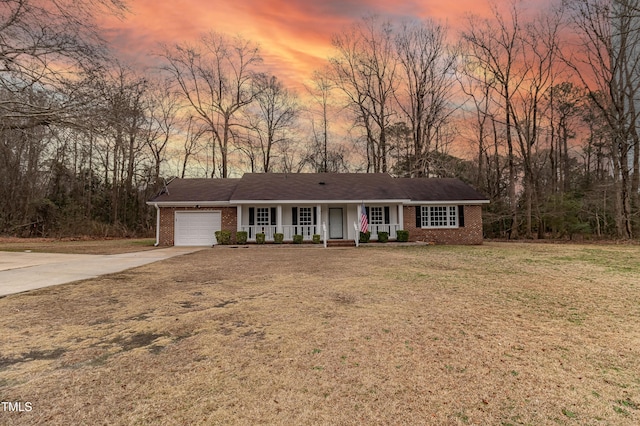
(294, 35)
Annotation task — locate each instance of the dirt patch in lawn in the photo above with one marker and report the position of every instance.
(492, 334)
(76, 245)
(32, 355)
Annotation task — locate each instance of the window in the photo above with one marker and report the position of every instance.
(439, 216)
(262, 216)
(305, 216)
(376, 216)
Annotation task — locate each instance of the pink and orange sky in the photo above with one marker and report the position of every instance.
(294, 35)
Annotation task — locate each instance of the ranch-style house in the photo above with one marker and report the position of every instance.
(442, 211)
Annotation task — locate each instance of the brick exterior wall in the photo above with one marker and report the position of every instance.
(471, 233)
(167, 221)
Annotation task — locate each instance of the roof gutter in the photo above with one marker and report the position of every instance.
(319, 201)
(446, 202)
(157, 225)
(188, 203)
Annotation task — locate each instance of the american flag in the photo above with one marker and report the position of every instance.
(364, 222)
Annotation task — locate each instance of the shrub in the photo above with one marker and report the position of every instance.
(241, 237)
(402, 236)
(297, 239)
(316, 238)
(260, 238)
(578, 228)
(278, 238)
(365, 236)
(223, 237)
(383, 237)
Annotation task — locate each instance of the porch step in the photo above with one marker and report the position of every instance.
(341, 243)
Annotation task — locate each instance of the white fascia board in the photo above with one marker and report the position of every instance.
(443, 202)
(189, 203)
(315, 202)
(311, 202)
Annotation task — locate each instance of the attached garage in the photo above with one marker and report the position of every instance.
(196, 228)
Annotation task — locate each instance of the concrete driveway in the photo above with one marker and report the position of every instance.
(23, 271)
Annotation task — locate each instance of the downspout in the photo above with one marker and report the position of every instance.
(157, 225)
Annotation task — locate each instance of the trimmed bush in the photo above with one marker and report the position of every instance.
(365, 237)
(278, 238)
(316, 238)
(241, 237)
(223, 237)
(260, 238)
(402, 236)
(297, 239)
(383, 237)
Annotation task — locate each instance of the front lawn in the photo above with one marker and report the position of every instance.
(504, 333)
(77, 245)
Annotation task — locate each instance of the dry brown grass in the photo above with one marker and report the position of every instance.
(76, 245)
(493, 334)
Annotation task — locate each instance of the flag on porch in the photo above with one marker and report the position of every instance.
(364, 221)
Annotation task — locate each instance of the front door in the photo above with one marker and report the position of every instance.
(335, 223)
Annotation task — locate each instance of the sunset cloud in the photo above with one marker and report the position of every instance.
(294, 35)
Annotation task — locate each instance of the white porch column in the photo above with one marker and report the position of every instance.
(319, 219)
(401, 216)
(157, 225)
(239, 218)
(279, 219)
(357, 233)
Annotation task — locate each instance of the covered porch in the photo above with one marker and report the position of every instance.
(331, 221)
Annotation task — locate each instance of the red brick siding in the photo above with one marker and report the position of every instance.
(471, 233)
(167, 221)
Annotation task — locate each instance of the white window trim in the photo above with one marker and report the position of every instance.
(426, 218)
(258, 216)
(380, 220)
(309, 217)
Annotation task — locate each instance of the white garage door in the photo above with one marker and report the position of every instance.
(196, 228)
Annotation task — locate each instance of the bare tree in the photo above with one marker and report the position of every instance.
(477, 85)
(607, 61)
(427, 86)
(123, 131)
(539, 67)
(364, 68)
(566, 102)
(43, 47)
(216, 78)
(320, 154)
(163, 108)
(494, 46)
(47, 52)
(320, 89)
(271, 117)
(191, 145)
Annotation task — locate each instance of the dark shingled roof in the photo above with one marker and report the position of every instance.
(317, 187)
(181, 190)
(438, 189)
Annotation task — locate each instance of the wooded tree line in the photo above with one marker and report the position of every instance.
(538, 110)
